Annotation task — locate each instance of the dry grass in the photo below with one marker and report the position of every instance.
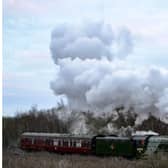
(52, 160)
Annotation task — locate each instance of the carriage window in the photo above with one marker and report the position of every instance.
(59, 142)
(32, 141)
(74, 143)
(55, 142)
(85, 143)
(27, 140)
(65, 142)
(49, 142)
(71, 143)
(78, 143)
(35, 141)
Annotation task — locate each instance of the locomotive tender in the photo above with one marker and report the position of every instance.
(101, 145)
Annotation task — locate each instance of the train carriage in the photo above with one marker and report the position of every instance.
(33, 141)
(69, 144)
(61, 143)
(114, 146)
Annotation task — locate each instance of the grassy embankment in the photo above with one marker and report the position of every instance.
(52, 160)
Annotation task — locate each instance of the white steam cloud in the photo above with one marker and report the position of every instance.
(94, 40)
(94, 75)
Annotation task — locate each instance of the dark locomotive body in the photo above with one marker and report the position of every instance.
(115, 146)
(100, 145)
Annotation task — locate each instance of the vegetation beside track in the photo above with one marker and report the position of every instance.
(19, 159)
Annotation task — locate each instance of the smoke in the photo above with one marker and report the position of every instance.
(94, 75)
(92, 41)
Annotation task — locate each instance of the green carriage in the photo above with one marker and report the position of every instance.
(114, 146)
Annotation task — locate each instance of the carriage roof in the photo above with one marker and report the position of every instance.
(54, 135)
(112, 138)
(159, 139)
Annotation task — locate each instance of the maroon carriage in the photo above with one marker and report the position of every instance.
(53, 142)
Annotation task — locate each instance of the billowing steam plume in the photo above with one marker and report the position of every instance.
(94, 74)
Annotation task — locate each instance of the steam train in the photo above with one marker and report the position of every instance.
(101, 145)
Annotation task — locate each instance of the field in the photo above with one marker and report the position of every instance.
(19, 159)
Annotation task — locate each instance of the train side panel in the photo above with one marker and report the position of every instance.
(157, 144)
(56, 143)
(70, 145)
(115, 146)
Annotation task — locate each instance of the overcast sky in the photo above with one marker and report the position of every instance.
(27, 64)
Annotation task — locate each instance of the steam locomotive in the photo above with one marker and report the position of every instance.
(101, 145)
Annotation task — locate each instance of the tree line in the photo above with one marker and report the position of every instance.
(35, 120)
(31, 121)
